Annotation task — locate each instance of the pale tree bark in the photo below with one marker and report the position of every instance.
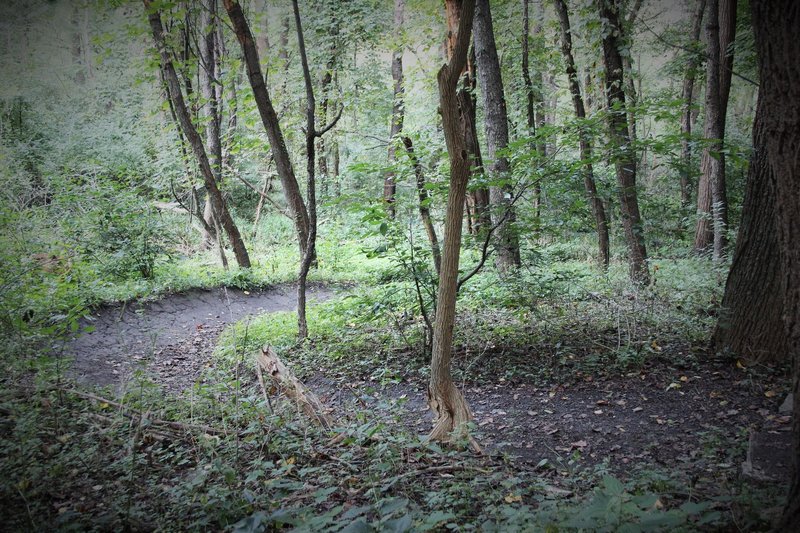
(687, 95)
(446, 401)
(584, 140)
(496, 125)
(535, 104)
(209, 109)
(269, 118)
(624, 152)
(751, 318)
(775, 24)
(189, 130)
(396, 127)
(711, 195)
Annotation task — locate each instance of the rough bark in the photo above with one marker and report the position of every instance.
(477, 200)
(751, 319)
(189, 130)
(424, 210)
(446, 401)
(584, 141)
(687, 95)
(389, 184)
(711, 196)
(775, 24)
(624, 153)
(269, 118)
(496, 125)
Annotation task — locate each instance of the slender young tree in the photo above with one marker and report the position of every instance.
(396, 128)
(584, 141)
(775, 24)
(496, 125)
(269, 118)
(619, 139)
(446, 401)
(712, 202)
(687, 94)
(535, 104)
(189, 130)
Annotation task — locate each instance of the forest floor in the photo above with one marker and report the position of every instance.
(690, 418)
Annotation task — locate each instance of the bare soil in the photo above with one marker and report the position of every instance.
(695, 421)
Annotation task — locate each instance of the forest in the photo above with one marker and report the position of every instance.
(400, 265)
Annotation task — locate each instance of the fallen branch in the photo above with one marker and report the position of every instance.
(269, 362)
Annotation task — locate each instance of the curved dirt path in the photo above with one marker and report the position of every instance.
(170, 339)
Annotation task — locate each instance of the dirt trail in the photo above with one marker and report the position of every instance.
(171, 338)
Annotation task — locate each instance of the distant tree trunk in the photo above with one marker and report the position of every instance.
(210, 106)
(424, 210)
(687, 93)
(598, 210)
(711, 196)
(751, 320)
(269, 118)
(322, 163)
(631, 97)
(389, 184)
(496, 123)
(529, 94)
(446, 401)
(624, 153)
(171, 77)
(775, 24)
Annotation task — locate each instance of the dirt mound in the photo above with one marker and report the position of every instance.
(171, 338)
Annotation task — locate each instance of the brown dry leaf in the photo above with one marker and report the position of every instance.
(684, 379)
(579, 444)
(770, 394)
(602, 402)
(511, 498)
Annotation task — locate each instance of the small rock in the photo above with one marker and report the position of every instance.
(788, 403)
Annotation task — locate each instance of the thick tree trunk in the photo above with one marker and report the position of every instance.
(775, 24)
(751, 320)
(269, 118)
(424, 210)
(389, 184)
(496, 122)
(624, 153)
(687, 95)
(598, 210)
(171, 77)
(712, 197)
(446, 401)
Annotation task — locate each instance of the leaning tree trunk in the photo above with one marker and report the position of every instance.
(624, 153)
(751, 320)
(687, 93)
(424, 209)
(496, 123)
(389, 184)
(711, 195)
(269, 118)
(171, 77)
(446, 401)
(775, 24)
(598, 210)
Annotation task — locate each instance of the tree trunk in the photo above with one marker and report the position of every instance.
(598, 210)
(751, 320)
(478, 200)
(624, 153)
(687, 94)
(446, 401)
(496, 123)
(711, 197)
(775, 24)
(269, 118)
(389, 184)
(210, 108)
(424, 210)
(171, 77)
